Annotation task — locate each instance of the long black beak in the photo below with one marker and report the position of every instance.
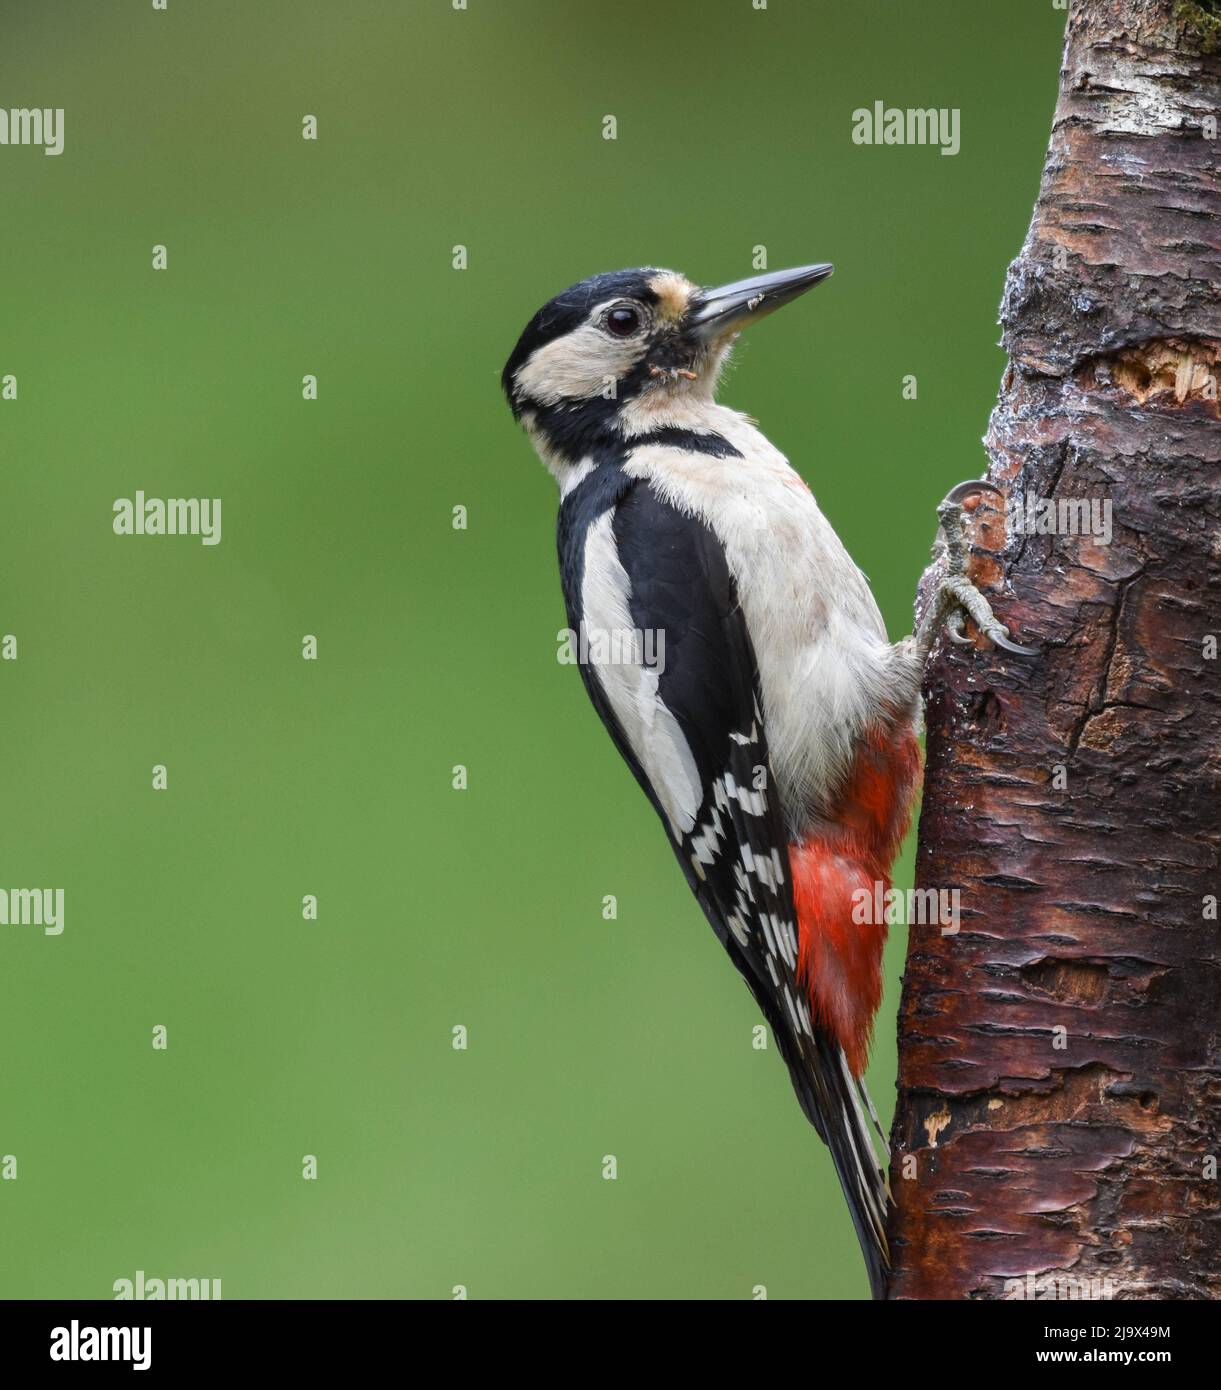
(731, 307)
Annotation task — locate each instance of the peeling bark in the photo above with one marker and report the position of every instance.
(1074, 798)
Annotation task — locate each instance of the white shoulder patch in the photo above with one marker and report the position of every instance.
(631, 687)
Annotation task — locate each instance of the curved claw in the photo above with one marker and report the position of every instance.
(955, 630)
(1015, 647)
(957, 495)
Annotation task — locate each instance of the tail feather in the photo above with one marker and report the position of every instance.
(831, 1098)
(877, 1124)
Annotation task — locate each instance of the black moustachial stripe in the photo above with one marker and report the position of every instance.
(693, 441)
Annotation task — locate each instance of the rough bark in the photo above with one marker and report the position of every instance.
(1074, 798)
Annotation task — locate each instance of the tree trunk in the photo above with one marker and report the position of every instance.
(1057, 1123)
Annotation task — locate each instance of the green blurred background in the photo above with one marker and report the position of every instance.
(436, 647)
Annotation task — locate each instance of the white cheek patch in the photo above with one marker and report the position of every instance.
(631, 688)
(577, 365)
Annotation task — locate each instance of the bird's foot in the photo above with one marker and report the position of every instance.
(965, 601)
(957, 598)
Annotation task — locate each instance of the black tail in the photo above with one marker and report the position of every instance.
(839, 1108)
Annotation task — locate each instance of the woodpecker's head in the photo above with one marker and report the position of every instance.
(618, 351)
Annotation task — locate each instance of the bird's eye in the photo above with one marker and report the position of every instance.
(623, 321)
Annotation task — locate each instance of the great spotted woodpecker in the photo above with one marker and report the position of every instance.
(777, 739)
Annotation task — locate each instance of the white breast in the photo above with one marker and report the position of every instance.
(819, 639)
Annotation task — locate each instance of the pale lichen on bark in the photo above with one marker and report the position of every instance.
(1074, 798)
